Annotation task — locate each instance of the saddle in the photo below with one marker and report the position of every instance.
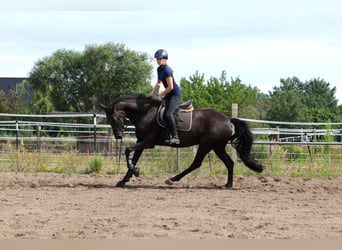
(183, 116)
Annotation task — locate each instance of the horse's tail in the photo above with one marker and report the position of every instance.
(242, 141)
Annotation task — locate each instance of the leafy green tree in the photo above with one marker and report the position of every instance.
(286, 106)
(295, 101)
(41, 103)
(3, 102)
(263, 103)
(217, 89)
(79, 81)
(112, 70)
(13, 102)
(56, 80)
(195, 89)
(245, 96)
(321, 102)
(220, 93)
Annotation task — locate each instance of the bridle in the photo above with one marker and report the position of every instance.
(118, 120)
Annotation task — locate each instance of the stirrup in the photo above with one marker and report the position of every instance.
(172, 140)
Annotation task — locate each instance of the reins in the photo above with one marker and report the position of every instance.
(120, 150)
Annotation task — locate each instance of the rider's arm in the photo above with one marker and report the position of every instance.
(155, 88)
(168, 89)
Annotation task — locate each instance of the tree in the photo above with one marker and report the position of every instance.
(112, 70)
(14, 101)
(262, 105)
(3, 102)
(286, 106)
(195, 89)
(219, 94)
(79, 81)
(321, 102)
(295, 101)
(245, 96)
(56, 81)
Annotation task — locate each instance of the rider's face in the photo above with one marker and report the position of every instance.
(161, 61)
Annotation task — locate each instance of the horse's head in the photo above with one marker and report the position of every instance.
(116, 118)
(131, 106)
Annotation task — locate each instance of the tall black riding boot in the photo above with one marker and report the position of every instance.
(174, 133)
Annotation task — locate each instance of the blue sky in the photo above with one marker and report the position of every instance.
(259, 41)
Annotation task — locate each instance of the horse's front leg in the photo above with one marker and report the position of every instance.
(132, 170)
(132, 162)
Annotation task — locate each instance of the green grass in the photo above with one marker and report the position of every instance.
(292, 161)
(95, 165)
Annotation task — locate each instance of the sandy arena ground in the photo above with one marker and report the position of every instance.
(70, 206)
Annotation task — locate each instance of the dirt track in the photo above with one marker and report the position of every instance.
(49, 206)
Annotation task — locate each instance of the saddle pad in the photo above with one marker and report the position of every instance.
(182, 125)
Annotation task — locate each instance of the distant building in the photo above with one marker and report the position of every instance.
(8, 83)
(12, 83)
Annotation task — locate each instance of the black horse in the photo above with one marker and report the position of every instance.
(210, 129)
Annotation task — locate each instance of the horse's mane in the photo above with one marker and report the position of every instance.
(129, 96)
(135, 97)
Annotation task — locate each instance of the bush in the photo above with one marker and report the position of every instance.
(95, 165)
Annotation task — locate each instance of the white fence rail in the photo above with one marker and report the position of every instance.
(35, 129)
(277, 135)
(90, 134)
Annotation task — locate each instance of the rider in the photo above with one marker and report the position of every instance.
(171, 94)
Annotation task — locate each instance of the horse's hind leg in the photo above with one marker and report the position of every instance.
(222, 154)
(201, 153)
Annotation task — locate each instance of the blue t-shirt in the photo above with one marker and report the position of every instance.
(164, 71)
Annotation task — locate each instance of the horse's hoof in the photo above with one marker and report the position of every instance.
(136, 172)
(229, 186)
(169, 182)
(121, 184)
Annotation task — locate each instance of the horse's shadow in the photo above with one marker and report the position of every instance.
(137, 186)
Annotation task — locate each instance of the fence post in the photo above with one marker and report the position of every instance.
(17, 134)
(278, 134)
(38, 138)
(95, 146)
(234, 115)
(177, 159)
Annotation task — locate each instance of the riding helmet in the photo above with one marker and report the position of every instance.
(161, 53)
